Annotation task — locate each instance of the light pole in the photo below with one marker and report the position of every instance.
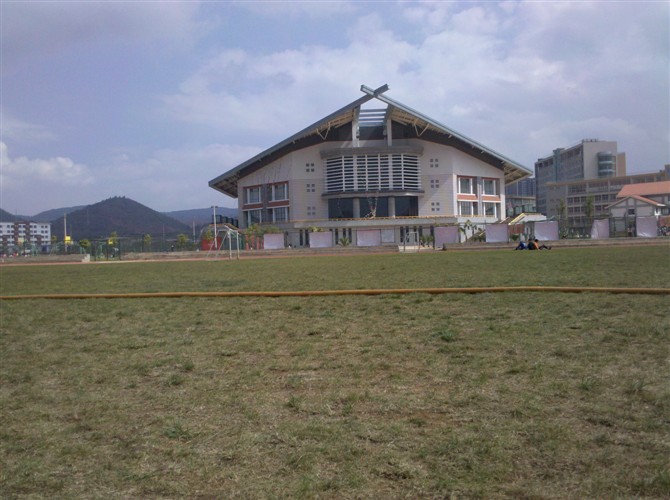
(216, 242)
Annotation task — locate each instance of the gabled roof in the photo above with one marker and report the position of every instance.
(424, 128)
(645, 189)
(639, 198)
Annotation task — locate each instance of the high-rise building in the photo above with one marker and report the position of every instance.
(590, 159)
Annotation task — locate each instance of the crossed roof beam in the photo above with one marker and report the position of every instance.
(395, 111)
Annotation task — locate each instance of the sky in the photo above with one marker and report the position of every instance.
(151, 100)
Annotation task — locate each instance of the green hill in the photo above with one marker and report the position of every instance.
(201, 216)
(5, 216)
(119, 214)
(49, 215)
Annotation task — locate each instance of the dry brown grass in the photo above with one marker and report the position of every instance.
(490, 395)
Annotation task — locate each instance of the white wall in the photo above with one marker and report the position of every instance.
(292, 168)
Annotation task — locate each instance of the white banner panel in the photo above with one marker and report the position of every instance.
(368, 238)
(546, 231)
(496, 233)
(273, 241)
(647, 227)
(388, 235)
(322, 239)
(445, 234)
(600, 229)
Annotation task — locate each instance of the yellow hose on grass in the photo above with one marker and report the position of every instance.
(317, 293)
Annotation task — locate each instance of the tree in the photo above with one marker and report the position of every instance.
(562, 221)
(182, 241)
(85, 245)
(146, 243)
(114, 239)
(589, 207)
(561, 209)
(113, 244)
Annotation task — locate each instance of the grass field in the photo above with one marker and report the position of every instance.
(532, 395)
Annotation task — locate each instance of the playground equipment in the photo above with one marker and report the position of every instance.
(230, 239)
(410, 243)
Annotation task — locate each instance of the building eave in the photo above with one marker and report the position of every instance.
(227, 183)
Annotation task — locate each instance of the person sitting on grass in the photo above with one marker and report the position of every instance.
(535, 245)
(521, 246)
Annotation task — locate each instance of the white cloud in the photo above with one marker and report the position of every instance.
(29, 185)
(243, 93)
(31, 29)
(484, 69)
(22, 172)
(169, 179)
(20, 131)
(173, 179)
(520, 77)
(299, 9)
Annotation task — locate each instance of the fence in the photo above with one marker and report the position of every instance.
(428, 236)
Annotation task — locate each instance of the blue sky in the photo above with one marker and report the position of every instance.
(151, 100)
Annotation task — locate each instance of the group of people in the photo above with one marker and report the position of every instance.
(532, 245)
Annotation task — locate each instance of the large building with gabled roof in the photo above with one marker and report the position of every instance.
(383, 166)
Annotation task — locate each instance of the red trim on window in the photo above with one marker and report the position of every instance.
(467, 197)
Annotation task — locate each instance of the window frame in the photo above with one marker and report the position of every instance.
(248, 214)
(471, 183)
(494, 185)
(275, 210)
(491, 204)
(248, 191)
(273, 191)
(473, 208)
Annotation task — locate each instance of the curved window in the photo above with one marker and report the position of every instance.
(606, 164)
(373, 172)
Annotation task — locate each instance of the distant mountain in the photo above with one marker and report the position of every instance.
(201, 216)
(119, 214)
(49, 215)
(5, 216)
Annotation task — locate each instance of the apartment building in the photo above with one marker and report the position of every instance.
(24, 232)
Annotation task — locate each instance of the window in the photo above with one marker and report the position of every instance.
(435, 206)
(434, 163)
(406, 206)
(311, 188)
(280, 214)
(491, 209)
(341, 208)
(309, 167)
(253, 217)
(253, 194)
(280, 191)
(490, 186)
(374, 207)
(631, 211)
(434, 183)
(466, 185)
(372, 172)
(311, 211)
(467, 208)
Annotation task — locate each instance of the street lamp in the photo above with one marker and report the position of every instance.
(216, 241)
